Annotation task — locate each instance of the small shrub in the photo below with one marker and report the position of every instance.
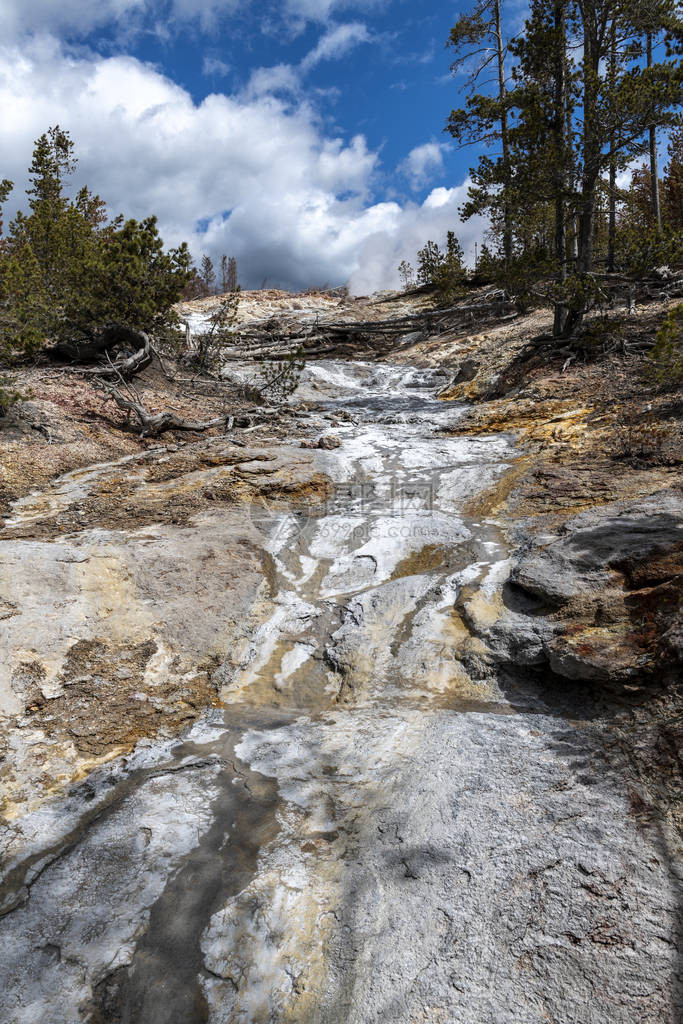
(667, 353)
(278, 380)
(219, 335)
(9, 395)
(639, 436)
(601, 334)
(640, 252)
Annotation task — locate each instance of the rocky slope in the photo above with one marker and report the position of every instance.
(375, 720)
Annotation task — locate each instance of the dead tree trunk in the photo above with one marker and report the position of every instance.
(153, 424)
(612, 230)
(115, 337)
(654, 171)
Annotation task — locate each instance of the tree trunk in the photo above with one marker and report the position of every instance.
(114, 336)
(502, 91)
(573, 246)
(151, 425)
(591, 139)
(134, 363)
(654, 173)
(559, 170)
(612, 230)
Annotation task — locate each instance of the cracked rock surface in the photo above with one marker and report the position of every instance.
(311, 761)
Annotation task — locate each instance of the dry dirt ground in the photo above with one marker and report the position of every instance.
(597, 430)
(65, 425)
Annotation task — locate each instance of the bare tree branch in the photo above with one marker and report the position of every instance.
(153, 424)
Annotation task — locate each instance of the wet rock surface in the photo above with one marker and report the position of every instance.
(397, 808)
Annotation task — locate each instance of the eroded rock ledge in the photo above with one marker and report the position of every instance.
(596, 599)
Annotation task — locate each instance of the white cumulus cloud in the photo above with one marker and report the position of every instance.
(398, 231)
(80, 17)
(422, 163)
(324, 10)
(252, 175)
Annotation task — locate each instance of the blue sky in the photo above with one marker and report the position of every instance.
(303, 137)
(387, 76)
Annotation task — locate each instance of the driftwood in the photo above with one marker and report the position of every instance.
(153, 424)
(277, 337)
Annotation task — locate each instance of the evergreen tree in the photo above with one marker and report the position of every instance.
(67, 276)
(429, 261)
(542, 162)
(207, 275)
(229, 274)
(137, 280)
(6, 187)
(579, 114)
(477, 38)
(672, 183)
(620, 99)
(444, 270)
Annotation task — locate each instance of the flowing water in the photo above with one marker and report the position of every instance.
(369, 827)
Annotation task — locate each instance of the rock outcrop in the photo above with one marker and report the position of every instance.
(597, 599)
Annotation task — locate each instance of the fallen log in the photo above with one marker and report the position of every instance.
(276, 337)
(153, 424)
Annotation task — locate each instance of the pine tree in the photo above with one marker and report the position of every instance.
(6, 187)
(445, 271)
(477, 38)
(67, 276)
(406, 274)
(429, 261)
(672, 183)
(542, 162)
(578, 115)
(620, 99)
(207, 274)
(44, 228)
(233, 283)
(138, 280)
